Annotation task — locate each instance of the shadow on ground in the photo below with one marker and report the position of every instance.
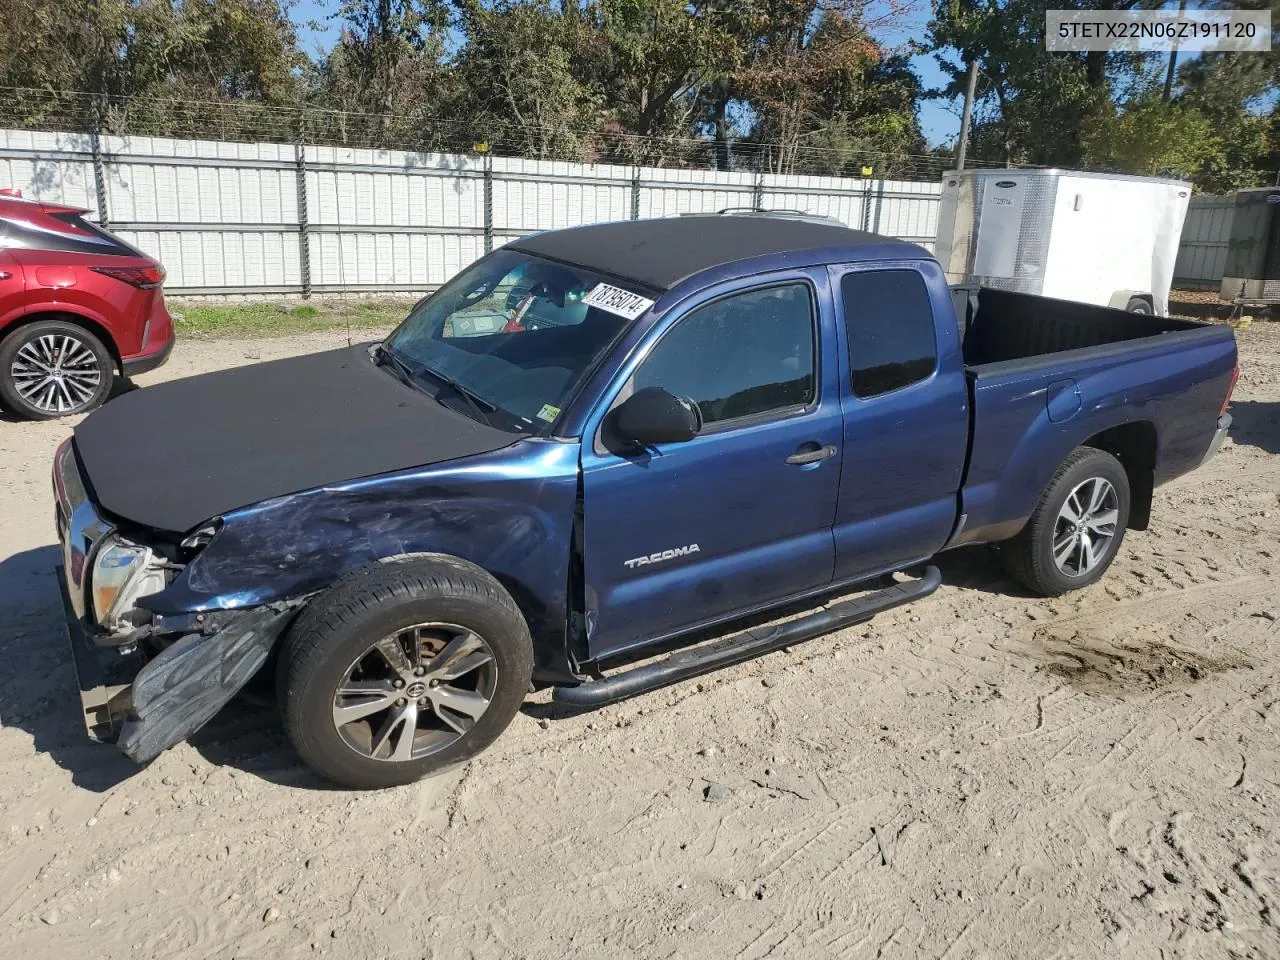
(969, 568)
(1256, 423)
(38, 693)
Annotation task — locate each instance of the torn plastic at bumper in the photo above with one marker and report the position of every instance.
(179, 691)
(144, 706)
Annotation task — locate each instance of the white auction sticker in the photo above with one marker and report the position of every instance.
(616, 300)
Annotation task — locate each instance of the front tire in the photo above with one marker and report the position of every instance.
(403, 669)
(52, 368)
(1076, 528)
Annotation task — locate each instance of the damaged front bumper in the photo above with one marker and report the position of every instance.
(146, 705)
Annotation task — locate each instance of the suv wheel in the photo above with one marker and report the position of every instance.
(52, 369)
(1076, 528)
(403, 669)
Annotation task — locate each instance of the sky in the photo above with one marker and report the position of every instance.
(939, 120)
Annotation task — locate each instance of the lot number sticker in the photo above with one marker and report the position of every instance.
(616, 300)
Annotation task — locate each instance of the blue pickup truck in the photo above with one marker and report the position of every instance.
(590, 445)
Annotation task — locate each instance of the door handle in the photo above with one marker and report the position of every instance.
(815, 455)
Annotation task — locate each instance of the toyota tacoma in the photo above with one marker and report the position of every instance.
(589, 446)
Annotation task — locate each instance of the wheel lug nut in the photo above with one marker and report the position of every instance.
(400, 702)
(398, 684)
(435, 683)
(420, 671)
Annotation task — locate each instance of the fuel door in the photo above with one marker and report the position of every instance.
(1062, 400)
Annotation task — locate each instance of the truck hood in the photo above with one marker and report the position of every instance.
(177, 454)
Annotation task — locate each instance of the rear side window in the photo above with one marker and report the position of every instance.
(890, 330)
(743, 355)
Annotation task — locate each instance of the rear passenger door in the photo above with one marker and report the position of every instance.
(906, 419)
(688, 533)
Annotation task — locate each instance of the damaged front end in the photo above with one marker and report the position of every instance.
(146, 681)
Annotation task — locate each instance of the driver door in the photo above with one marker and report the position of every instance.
(685, 534)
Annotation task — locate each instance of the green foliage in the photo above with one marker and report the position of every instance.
(797, 86)
(1150, 138)
(1104, 110)
(516, 80)
(366, 316)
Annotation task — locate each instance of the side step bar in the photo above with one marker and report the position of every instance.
(745, 646)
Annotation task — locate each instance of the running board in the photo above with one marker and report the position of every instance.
(745, 646)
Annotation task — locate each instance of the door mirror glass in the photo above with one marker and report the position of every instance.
(652, 415)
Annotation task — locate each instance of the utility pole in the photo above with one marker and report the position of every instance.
(1173, 61)
(968, 113)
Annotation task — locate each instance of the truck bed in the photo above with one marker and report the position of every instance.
(999, 326)
(1048, 375)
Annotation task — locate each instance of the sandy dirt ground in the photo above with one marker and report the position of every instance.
(983, 774)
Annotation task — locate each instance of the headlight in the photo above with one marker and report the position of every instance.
(122, 572)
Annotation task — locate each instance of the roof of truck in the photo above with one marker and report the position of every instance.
(659, 253)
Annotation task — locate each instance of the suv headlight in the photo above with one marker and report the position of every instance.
(122, 573)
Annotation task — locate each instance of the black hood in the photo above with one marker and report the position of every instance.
(173, 455)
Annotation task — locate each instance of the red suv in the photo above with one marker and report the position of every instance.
(77, 305)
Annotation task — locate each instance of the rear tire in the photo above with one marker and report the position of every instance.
(348, 709)
(1068, 545)
(35, 384)
(1140, 305)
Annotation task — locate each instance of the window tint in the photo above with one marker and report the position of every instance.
(740, 356)
(890, 328)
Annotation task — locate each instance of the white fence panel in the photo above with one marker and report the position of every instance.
(532, 195)
(667, 193)
(270, 218)
(52, 167)
(1206, 235)
(228, 217)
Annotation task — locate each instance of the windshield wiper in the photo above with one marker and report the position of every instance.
(479, 406)
(383, 355)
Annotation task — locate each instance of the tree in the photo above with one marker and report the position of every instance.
(517, 83)
(1230, 91)
(661, 55)
(1032, 104)
(1150, 138)
(386, 73)
(804, 75)
(139, 57)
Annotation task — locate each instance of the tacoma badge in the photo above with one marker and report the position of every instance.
(662, 555)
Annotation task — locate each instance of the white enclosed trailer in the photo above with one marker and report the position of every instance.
(1097, 238)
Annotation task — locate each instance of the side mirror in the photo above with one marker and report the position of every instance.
(652, 415)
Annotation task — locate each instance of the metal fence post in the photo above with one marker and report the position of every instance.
(304, 234)
(99, 166)
(757, 191)
(635, 193)
(879, 203)
(488, 203)
(866, 203)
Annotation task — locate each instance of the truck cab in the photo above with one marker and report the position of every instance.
(677, 424)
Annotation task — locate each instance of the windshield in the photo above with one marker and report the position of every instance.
(510, 337)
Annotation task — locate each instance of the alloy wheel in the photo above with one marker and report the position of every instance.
(416, 692)
(56, 373)
(1086, 527)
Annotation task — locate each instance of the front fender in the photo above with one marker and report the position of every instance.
(510, 512)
